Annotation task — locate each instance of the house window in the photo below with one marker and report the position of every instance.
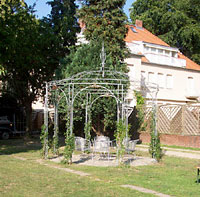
(190, 83)
(147, 49)
(169, 81)
(174, 54)
(161, 80)
(167, 53)
(151, 77)
(153, 50)
(160, 51)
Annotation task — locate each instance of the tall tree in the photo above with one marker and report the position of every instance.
(25, 53)
(30, 51)
(176, 22)
(64, 24)
(105, 22)
(87, 58)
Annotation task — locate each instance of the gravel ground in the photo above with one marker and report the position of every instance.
(105, 161)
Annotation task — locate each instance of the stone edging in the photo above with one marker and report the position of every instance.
(144, 190)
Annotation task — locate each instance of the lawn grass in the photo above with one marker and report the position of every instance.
(173, 176)
(26, 178)
(176, 147)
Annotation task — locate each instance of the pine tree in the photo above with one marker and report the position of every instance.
(105, 22)
(64, 24)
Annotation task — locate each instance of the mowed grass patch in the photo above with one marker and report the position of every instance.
(19, 145)
(173, 176)
(28, 178)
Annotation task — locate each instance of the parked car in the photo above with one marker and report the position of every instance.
(7, 128)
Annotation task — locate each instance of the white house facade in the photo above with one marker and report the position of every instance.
(154, 61)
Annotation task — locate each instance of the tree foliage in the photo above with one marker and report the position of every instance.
(155, 147)
(30, 51)
(64, 24)
(105, 21)
(140, 103)
(10, 6)
(174, 21)
(86, 57)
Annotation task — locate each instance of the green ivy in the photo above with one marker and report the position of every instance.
(69, 148)
(121, 133)
(140, 110)
(55, 143)
(43, 140)
(155, 146)
(69, 144)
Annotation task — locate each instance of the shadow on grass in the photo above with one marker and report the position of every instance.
(83, 159)
(18, 145)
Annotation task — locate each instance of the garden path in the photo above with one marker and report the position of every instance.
(186, 153)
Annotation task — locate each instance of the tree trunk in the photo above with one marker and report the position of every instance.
(28, 110)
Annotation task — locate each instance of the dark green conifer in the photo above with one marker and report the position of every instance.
(106, 22)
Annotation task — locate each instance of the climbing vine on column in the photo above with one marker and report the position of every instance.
(55, 142)
(44, 142)
(140, 103)
(155, 146)
(120, 135)
(69, 143)
(87, 130)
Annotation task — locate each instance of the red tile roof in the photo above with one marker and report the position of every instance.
(143, 35)
(146, 36)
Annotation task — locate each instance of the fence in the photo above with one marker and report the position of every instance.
(174, 119)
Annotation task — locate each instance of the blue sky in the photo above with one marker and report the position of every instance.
(43, 9)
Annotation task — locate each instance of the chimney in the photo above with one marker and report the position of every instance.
(138, 24)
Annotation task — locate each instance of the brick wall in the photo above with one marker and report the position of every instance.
(178, 140)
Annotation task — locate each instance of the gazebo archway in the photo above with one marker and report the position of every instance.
(94, 85)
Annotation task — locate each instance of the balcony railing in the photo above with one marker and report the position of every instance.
(165, 60)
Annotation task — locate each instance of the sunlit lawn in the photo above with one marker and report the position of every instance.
(173, 176)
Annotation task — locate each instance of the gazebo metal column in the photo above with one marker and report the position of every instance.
(55, 136)
(88, 109)
(46, 123)
(154, 108)
(71, 108)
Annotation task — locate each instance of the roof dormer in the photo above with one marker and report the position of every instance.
(162, 55)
